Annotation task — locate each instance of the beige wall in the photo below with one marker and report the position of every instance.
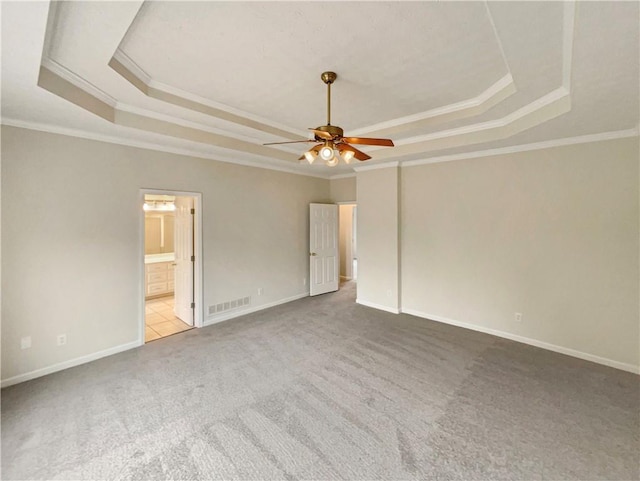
(377, 237)
(86, 282)
(343, 190)
(552, 234)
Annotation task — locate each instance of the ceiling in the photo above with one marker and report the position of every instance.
(444, 80)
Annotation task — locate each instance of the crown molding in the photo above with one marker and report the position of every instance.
(547, 144)
(599, 137)
(537, 112)
(342, 176)
(83, 134)
(79, 82)
(568, 31)
(385, 165)
(497, 92)
(51, 27)
(528, 109)
(493, 95)
(540, 110)
(544, 108)
(74, 79)
(132, 66)
(128, 69)
(151, 114)
(78, 96)
(154, 84)
(495, 34)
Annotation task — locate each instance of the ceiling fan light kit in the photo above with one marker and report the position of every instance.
(326, 152)
(332, 146)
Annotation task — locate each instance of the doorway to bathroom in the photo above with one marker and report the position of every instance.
(172, 272)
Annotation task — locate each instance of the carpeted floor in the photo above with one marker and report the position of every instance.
(322, 388)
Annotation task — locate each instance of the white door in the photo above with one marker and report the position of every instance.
(183, 247)
(323, 248)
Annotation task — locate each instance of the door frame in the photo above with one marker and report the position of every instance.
(354, 213)
(198, 312)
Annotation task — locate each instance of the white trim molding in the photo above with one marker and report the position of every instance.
(168, 93)
(68, 364)
(380, 307)
(83, 134)
(73, 78)
(582, 139)
(63, 82)
(527, 340)
(529, 109)
(547, 144)
(198, 267)
(496, 93)
(382, 165)
(568, 29)
(135, 69)
(342, 176)
(183, 122)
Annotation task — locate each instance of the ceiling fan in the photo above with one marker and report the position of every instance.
(333, 145)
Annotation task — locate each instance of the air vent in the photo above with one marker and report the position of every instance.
(229, 305)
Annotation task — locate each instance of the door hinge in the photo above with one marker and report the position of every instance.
(193, 305)
(193, 211)
(193, 258)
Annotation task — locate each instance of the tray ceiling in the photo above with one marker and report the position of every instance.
(218, 79)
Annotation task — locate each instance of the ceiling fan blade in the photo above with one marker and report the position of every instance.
(290, 142)
(322, 134)
(358, 154)
(366, 141)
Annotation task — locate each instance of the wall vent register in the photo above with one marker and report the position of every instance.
(229, 305)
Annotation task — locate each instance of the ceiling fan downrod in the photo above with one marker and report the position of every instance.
(328, 78)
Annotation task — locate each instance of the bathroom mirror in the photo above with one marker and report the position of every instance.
(158, 232)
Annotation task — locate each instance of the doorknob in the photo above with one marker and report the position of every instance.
(312, 253)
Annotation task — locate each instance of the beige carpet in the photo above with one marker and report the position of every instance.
(322, 388)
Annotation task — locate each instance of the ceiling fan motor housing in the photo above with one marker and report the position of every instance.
(330, 129)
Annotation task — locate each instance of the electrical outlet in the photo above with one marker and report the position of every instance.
(389, 293)
(304, 281)
(518, 317)
(25, 342)
(260, 291)
(62, 339)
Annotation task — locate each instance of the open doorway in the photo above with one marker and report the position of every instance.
(172, 267)
(348, 242)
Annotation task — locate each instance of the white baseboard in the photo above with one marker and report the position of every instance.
(242, 312)
(527, 340)
(130, 345)
(67, 364)
(392, 310)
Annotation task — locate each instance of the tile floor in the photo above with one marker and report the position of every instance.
(160, 321)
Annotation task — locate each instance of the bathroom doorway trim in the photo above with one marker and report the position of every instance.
(198, 313)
